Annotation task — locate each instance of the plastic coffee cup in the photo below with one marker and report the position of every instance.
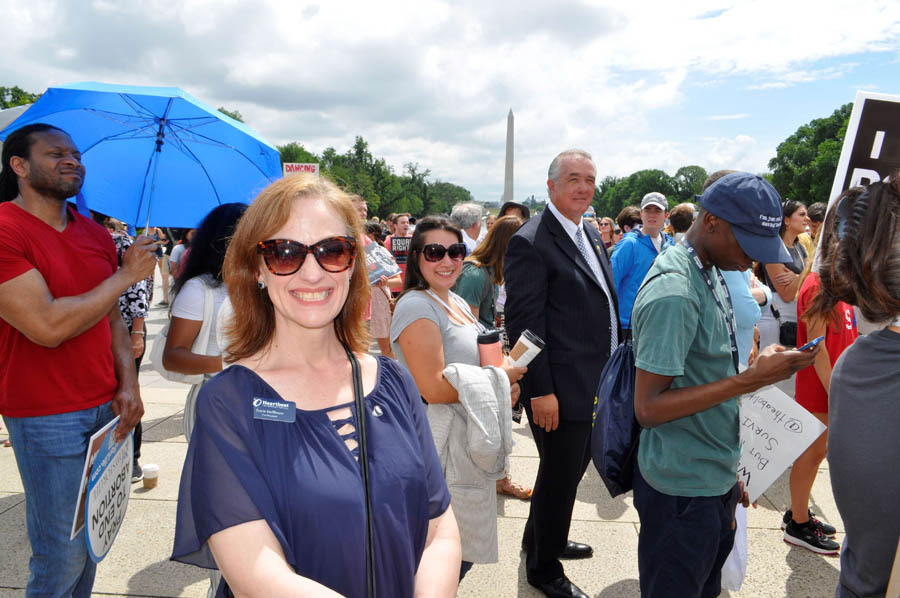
(151, 475)
(489, 349)
(527, 348)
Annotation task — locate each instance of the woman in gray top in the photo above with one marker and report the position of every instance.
(433, 327)
(863, 268)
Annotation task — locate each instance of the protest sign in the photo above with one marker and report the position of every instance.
(380, 263)
(94, 445)
(109, 486)
(297, 167)
(775, 430)
(399, 248)
(871, 148)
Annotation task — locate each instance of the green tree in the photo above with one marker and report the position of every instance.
(805, 163)
(443, 196)
(615, 193)
(294, 152)
(16, 96)
(358, 171)
(232, 113)
(688, 182)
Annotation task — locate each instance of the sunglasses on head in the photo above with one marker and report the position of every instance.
(434, 252)
(283, 257)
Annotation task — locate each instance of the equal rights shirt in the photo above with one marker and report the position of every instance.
(78, 374)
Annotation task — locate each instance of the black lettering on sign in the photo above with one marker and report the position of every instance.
(876, 148)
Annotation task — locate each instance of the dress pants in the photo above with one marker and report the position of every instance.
(564, 457)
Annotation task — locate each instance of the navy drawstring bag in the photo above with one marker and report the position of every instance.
(615, 433)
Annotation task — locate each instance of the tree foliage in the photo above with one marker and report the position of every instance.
(232, 113)
(11, 97)
(689, 182)
(358, 171)
(805, 163)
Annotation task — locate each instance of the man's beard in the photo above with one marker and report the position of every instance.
(54, 186)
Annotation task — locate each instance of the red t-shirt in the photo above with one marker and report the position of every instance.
(79, 373)
(808, 389)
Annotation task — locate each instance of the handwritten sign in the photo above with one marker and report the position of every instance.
(775, 430)
(107, 496)
(298, 167)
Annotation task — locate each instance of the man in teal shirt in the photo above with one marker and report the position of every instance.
(687, 387)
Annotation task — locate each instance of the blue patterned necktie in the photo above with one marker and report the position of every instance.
(614, 325)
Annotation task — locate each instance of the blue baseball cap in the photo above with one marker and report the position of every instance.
(752, 206)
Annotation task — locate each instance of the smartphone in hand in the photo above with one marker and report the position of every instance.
(811, 344)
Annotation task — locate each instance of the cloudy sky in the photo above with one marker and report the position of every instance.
(638, 84)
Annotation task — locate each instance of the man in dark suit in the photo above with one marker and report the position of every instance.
(559, 285)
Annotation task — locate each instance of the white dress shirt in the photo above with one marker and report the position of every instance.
(593, 261)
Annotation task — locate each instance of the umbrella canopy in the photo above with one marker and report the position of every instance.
(155, 151)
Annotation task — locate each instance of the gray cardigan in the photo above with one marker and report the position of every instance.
(474, 440)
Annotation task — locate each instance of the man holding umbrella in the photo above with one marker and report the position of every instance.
(67, 365)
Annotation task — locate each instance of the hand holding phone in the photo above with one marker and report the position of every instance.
(811, 344)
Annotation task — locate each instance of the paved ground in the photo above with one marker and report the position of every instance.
(138, 563)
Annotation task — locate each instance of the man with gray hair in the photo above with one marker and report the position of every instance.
(559, 285)
(467, 216)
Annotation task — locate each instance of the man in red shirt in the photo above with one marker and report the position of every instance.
(68, 364)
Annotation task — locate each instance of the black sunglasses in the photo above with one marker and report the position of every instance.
(434, 252)
(283, 257)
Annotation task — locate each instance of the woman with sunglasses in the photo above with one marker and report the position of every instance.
(273, 490)
(607, 227)
(433, 327)
(479, 285)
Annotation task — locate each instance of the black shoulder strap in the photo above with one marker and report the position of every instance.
(361, 414)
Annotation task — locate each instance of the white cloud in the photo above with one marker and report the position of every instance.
(739, 116)
(805, 76)
(431, 81)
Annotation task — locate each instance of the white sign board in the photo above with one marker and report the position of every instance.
(298, 167)
(109, 487)
(775, 430)
(871, 148)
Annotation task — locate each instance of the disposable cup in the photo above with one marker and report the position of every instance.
(527, 348)
(151, 475)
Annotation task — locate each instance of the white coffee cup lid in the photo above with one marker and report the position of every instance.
(149, 468)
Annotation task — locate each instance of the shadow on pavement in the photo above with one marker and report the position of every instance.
(165, 578)
(627, 588)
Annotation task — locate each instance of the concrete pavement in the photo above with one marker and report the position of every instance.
(138, 563)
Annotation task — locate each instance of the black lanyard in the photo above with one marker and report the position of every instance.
(727, 313)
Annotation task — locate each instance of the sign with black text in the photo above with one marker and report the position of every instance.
(400, 248)
(775, 430)
(109, 488)
(871, 150)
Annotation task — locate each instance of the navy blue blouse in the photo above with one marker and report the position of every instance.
(307, 485)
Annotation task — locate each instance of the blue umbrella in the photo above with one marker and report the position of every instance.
(155, 154)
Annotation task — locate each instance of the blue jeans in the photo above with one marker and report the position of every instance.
(50, 453)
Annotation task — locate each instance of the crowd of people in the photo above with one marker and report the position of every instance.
(349, 433)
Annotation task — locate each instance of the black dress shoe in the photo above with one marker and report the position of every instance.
(575, 550)
(561, 587)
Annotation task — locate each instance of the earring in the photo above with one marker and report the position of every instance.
(261, 285)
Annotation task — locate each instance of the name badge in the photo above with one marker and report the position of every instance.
(274, 410)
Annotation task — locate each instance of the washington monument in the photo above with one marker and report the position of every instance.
(508, 180)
